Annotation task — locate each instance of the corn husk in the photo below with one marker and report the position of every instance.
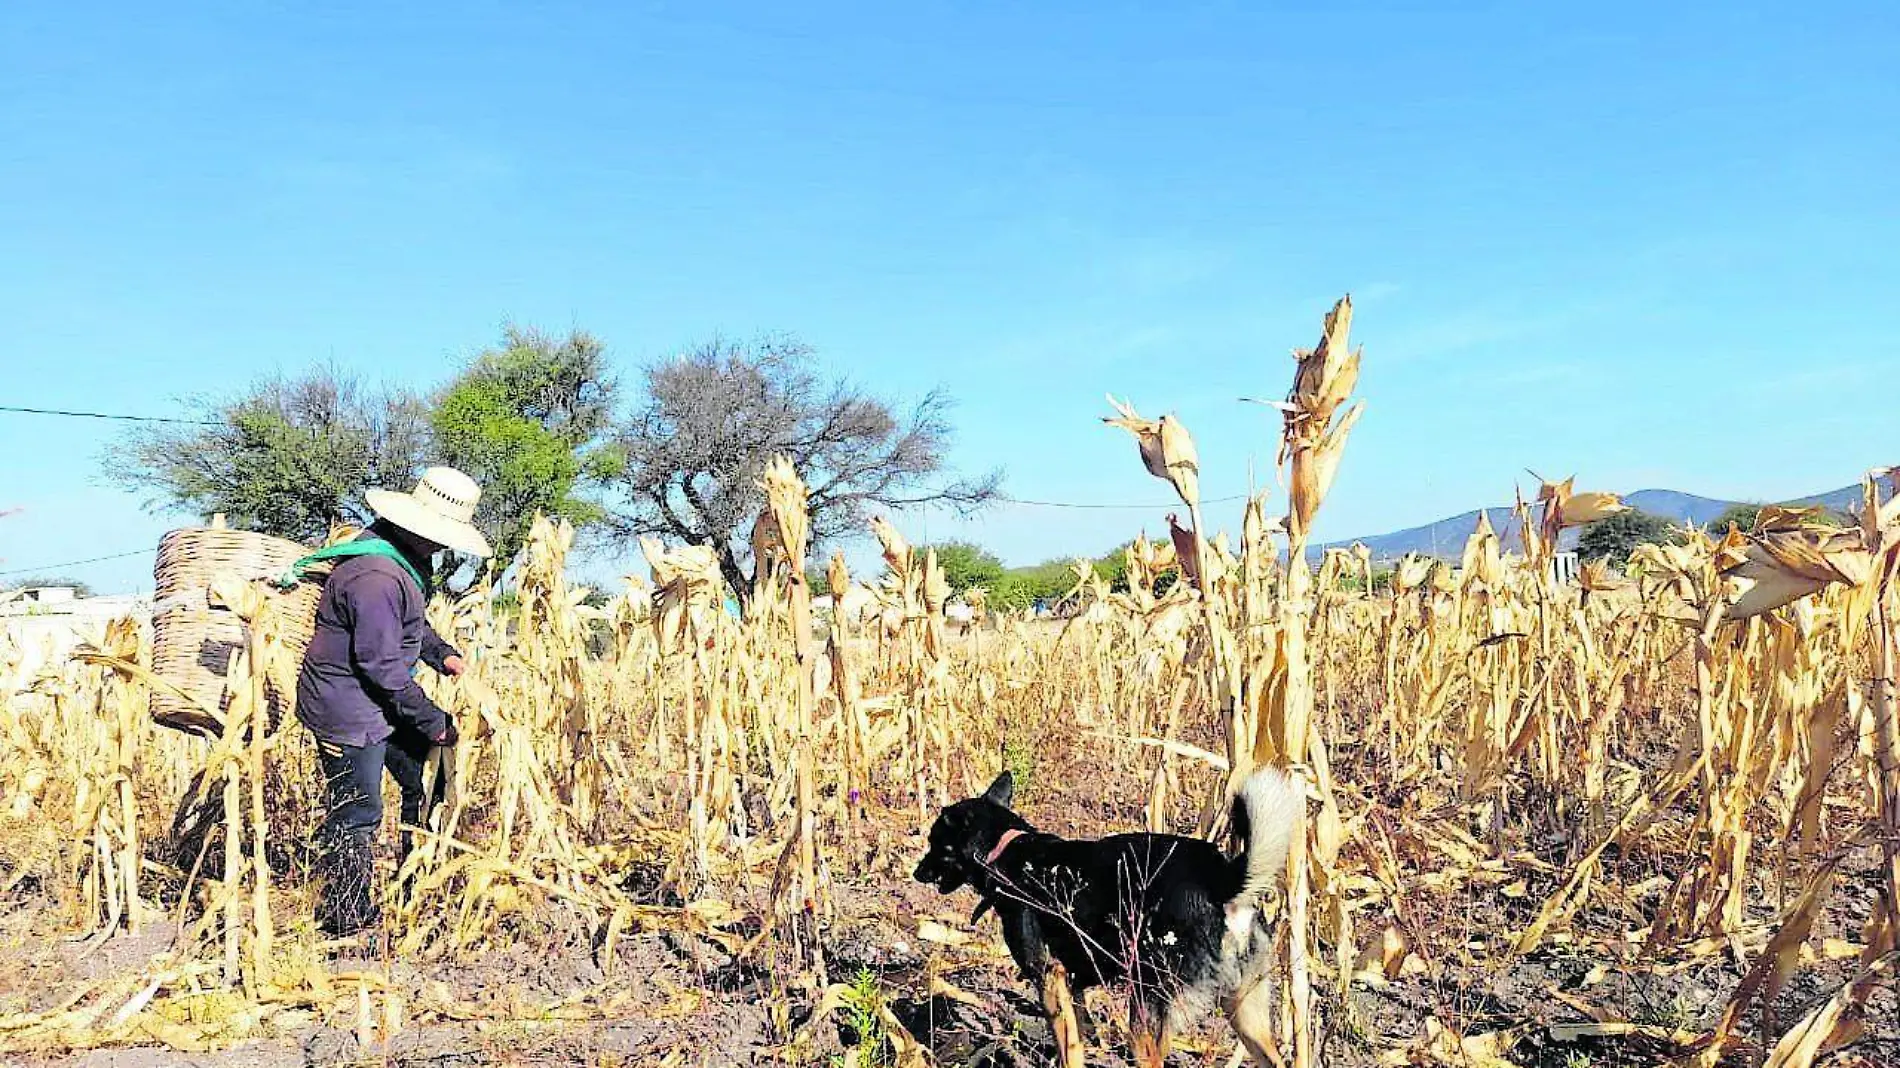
(688, 587)
(1167, 449)
(1580, 509)
(1778, 568)
(897, 553)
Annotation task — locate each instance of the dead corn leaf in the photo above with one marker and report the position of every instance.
(1445, 1046)
(932, 931)
(941, 987)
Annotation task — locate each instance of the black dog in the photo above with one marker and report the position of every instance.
(1174, 917)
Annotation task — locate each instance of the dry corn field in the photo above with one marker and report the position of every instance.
(1641, 818)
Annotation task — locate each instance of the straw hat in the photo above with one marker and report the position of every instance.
(441, 509)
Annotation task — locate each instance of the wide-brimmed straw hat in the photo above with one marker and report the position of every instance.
(441, 509)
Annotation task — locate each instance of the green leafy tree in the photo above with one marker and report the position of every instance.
(528, 421)
(1744, 516)
(1113, 568)
(289, 457)
(1381, 580)
(1616, 537)
(1022, 587)
(966, 565)
(1013, 591)
(1741, 516)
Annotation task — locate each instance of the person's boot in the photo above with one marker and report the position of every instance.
(347, 902)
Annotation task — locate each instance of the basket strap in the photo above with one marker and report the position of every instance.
(363, 547)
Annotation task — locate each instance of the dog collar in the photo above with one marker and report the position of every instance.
(1001, 844)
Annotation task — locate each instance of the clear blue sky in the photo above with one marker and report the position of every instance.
(1650, 245)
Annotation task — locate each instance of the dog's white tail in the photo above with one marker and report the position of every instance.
(1265, 812)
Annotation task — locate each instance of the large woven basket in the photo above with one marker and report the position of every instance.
(193, 641)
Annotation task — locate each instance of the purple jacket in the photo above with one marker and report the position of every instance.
(358, 684)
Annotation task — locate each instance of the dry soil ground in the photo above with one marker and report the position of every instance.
(546, 1000)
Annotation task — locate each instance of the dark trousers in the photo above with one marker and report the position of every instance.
(346, 840)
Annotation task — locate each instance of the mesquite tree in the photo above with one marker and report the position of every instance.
(698, 441)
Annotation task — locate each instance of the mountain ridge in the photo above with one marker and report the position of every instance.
(1445, 538)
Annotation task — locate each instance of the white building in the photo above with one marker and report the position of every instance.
(860, 603)
(42, 626)
(1563, 568)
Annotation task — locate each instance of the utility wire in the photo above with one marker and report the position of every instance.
(212, 422)
(106, 415)
(1144, 507)
(46, 568)
(43, 568)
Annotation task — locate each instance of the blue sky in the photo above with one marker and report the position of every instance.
(1651, 246)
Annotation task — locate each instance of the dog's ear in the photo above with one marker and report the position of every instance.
(1002, 789)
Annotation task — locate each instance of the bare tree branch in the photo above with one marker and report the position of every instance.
(711, 419)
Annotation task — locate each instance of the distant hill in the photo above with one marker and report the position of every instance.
(1446, 537)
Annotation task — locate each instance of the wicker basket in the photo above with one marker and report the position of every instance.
(193, 641)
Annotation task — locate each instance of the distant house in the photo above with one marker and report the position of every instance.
(46, 595)
(42, 626)
(859, 603)
(1563, 568)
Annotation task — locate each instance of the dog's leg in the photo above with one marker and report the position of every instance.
(1251, 1013)
(1024, 939)
(1060, 1008)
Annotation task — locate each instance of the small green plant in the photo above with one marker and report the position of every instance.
(1676, 1014)
(864, 1015)
(1019, 759)
(1353, 1030)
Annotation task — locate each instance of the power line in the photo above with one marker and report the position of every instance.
(212, 422)
(1011, 500)
(1142, 507)
(107, 415)
(45, 568)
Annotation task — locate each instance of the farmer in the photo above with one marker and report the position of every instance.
(357, 692)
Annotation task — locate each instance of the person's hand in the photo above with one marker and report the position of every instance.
(448, 737)
(453, 666)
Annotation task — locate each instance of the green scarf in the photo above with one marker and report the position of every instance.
(365, 547)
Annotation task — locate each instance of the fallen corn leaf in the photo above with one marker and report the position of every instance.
(932, 931)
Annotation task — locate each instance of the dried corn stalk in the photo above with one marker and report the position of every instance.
(786, 504)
